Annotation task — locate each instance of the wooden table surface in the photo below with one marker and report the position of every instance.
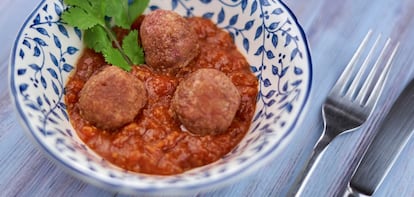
(334, 30)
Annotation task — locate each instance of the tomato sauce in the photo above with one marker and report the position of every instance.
(155, 143)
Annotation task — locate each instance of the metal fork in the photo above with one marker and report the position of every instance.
(351, 100)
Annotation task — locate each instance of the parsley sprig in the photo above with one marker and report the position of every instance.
(97, 17)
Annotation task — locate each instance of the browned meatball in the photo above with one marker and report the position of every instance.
(168, 40)
(112, 98)
(206, 102)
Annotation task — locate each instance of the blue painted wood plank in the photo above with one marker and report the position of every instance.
(334, 31)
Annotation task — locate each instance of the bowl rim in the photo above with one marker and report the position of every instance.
(115, 186)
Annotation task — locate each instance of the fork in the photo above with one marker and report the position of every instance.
(351, 100)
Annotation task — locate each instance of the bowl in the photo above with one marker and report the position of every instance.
(266, 32)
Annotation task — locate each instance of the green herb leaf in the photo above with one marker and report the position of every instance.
(136, 8)
(97, 39)
(132, 49)
(115, 57)
(78, 17)
(92, 17)
(118, 10)
(84, 4)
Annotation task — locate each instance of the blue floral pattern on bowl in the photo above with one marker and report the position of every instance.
(265, 31)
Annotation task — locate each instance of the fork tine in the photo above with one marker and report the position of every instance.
(368, 83)
(338, 88)
(381, 81)
(352, 90)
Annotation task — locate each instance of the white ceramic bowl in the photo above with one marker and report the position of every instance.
(266, 32)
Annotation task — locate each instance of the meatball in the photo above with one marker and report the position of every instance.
(168, 40)
(111, 98)
(206, 102)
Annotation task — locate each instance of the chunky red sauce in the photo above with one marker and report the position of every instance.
(154, 143)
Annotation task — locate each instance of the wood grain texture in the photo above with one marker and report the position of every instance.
(334, 30)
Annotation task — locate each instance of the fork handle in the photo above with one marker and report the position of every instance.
(317, 150)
